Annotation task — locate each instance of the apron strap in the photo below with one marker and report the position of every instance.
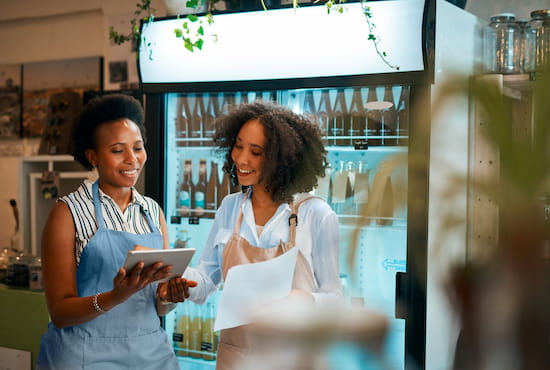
(237, 227)
(150, 222)
(99, 213)
(97, 205)
(293, 218)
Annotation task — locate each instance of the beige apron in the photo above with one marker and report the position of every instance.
(235, 342)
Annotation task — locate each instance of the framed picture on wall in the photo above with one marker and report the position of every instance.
(49, 90)
(10, 101)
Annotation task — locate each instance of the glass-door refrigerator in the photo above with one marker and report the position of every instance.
(323, 66)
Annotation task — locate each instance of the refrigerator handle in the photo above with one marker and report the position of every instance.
(401, 295)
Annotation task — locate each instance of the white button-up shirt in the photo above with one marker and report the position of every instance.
(317, 237)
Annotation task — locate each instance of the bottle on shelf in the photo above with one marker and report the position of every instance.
(268, 96)
(373, 118)
(224, 187)
(186, 189)
(387, 125)
(361, 189)
(358, 116)
(208, 337)
(228, 103)
(242, 97)
(324, 115)
(197, 121)
(199, 191)
(402, 116)
(341, 189)
(180, 337)
(195, 331)
(324, 185)
(211, 196)
(386, 206)
(308, 106)
(182, 238)
(341, 120)
(209, 119)
(351, 171)
(182, 120)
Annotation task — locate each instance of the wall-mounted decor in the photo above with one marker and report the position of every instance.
(10, 101)
(118, 72)
(43, 80)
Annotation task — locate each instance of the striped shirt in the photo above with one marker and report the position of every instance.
(81, 205)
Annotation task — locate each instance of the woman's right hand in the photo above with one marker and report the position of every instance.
(128, 283)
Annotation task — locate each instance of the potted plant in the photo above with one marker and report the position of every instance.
(191, 31)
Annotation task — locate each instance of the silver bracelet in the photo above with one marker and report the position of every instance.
(96, 305)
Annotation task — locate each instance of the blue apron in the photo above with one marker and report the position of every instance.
(128, 336)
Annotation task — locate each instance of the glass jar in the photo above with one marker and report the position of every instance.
(4, 257)
(528, 38)
(18, 271)
(501, 41)
(540, 22)
(35, 274)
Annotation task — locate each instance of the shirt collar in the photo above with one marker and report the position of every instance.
(137, 198)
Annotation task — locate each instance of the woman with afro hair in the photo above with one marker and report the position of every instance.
(276, 157)
(102, 315)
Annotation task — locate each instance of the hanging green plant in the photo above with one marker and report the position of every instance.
(144, 12)
(374, 37)
(194, 28)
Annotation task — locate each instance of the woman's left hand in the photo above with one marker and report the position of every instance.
(175, 289)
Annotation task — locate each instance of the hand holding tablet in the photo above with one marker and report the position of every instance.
(179, 259)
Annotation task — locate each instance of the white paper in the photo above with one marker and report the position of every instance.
(248, 287)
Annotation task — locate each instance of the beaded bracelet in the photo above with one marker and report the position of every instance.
(96, 305)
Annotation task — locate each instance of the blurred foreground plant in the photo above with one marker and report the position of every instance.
(501, 289)
(502, 294)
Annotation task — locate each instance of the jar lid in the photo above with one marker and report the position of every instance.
(540, 14)
(503, 17)
(522, 22)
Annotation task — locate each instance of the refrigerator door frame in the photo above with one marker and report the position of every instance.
(412, 291)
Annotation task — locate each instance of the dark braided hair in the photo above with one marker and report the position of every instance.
(294, 152)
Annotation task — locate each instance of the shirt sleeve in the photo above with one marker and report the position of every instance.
(208, 273)
(326, 261)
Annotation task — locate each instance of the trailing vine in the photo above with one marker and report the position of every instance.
(143, 6)
(192, 30)
(375, 38)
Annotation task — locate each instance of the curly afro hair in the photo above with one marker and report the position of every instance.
(294, 152)
(101, 110)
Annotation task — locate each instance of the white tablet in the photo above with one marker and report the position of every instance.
(179, 258)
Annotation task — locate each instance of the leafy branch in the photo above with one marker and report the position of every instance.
(142, 7)
(193, 27)
(374, 38)
(192, 30)
(336, 5)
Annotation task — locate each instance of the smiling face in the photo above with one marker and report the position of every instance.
(248, 153)
(119, 154)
